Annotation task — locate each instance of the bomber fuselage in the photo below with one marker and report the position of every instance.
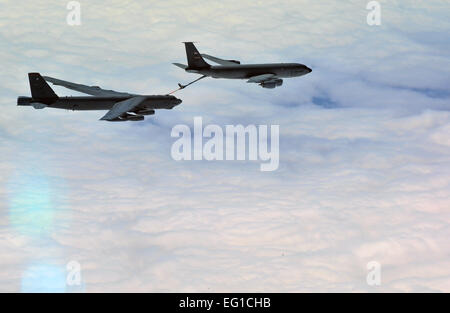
(99, 103)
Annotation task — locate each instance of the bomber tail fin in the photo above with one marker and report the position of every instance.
(40, 90)
(195, 59)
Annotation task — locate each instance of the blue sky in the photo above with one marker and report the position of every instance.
(364, 150)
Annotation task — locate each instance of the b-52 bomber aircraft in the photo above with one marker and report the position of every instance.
(122, 106)
(266, 75)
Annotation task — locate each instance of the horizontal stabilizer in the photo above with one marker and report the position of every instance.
(180, 65)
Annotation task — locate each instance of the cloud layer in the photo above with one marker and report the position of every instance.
(364, 150)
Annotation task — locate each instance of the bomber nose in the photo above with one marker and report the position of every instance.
(178, 101)
(308, 69)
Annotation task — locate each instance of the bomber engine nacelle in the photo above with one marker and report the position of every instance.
(271, 84)
(134, 118)
(145, 112)
(128, 117)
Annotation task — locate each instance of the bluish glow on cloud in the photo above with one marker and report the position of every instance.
(31, 207)
(37, 213)
(44, 277)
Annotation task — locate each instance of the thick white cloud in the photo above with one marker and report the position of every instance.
(365, 161)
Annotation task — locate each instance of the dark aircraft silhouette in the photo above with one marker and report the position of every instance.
(122, 106)
(266, 75)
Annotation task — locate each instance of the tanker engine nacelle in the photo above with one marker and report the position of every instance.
(272, 83)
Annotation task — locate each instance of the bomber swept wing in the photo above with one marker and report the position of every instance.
(90, 90)
(220, 61)
(121, 108)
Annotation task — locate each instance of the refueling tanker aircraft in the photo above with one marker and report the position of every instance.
(266, 75)
(122, 106)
